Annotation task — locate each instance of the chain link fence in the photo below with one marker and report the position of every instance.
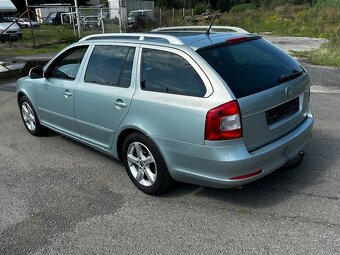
(99, 20)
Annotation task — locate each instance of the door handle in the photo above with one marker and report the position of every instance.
(67, 93)
(120, 104)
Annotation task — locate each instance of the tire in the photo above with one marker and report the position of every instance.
(145, 165)
(30, 118)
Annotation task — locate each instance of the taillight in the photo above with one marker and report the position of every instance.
(223, 122)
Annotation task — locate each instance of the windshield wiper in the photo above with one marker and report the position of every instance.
(291, 76)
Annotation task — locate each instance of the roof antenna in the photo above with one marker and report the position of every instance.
(212, 22)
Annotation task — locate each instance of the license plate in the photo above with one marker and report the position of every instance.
(282, 111)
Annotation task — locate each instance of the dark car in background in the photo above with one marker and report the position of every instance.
(140, 20)
(56, 18)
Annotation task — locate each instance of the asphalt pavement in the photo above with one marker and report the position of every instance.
(61, 197)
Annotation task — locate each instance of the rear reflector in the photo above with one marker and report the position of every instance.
(245, 176)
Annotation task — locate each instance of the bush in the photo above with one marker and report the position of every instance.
(327, 3)
(274, 3)
(200, 8)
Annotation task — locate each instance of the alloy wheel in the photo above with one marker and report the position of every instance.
(28, 116)
(142, 164)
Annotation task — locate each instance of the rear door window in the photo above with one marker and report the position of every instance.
(168, 72)
(252, 66)
(110, 65)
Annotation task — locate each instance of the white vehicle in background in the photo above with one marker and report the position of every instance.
(90, 22)
(9, 30)
(26, 22)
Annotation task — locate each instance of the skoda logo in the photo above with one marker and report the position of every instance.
(288, 91)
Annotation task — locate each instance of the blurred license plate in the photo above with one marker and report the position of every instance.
(282, 111)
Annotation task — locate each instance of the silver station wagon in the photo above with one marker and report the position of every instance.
(217, 107)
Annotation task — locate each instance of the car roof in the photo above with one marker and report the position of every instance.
(146, 10)
(172, 36)
(197, 40)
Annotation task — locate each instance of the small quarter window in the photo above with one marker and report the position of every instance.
(110, 65)
(67, 65)
(169, 73)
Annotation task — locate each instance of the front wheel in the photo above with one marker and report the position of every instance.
(29, 117)
(145, 165)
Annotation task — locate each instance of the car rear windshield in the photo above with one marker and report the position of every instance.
(251, 66)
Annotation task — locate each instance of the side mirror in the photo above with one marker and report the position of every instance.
(36, 72)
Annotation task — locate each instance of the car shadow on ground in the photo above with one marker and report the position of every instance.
(278, 186)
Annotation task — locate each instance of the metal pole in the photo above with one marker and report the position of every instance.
(120, 16)
(102, 20)
(160, 17)
(77, 16)
(29, 17)
(72, 18)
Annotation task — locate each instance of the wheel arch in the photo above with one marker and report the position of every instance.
(20, 95)
(121, 138)
(125, 133)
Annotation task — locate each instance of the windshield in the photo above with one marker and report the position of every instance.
(52, 15)
(251, 66)
(135, 14)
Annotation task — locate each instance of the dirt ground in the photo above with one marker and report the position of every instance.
(289, 43)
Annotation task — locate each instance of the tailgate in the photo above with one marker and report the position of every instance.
(272, 113)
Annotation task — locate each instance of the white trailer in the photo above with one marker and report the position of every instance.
(115, 6)
(6, 6)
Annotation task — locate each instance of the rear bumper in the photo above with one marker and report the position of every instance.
(212, 166)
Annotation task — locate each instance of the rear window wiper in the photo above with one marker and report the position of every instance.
(291, 76)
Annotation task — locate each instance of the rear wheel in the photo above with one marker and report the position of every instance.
(145, 164)
(29, 117)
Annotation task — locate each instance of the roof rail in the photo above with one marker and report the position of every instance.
(139, 36)
(186, 28)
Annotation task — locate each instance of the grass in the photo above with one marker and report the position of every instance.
(48, 39)
(291, 20)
